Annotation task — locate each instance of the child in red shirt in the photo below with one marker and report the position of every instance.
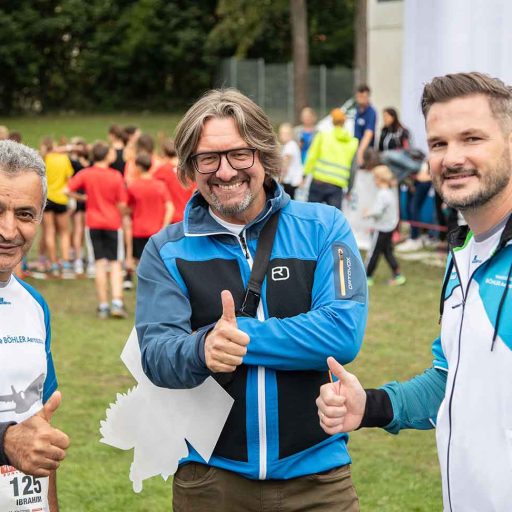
(150, 204)
(167, 173)
(106, 198)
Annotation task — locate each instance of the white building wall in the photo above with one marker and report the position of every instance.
(385, 49)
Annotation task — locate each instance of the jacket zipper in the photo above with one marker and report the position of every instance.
(463, 304)
(262, 413)
(341, 258)
(245, 249)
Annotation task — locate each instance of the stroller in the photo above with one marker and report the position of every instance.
(403, 162)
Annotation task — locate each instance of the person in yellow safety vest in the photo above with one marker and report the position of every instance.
(331, 161)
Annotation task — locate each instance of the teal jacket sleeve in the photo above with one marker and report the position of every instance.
(416, 402)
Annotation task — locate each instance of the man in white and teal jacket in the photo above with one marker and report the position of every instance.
(467, 394)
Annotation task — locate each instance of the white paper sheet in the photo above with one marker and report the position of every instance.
(155, 421)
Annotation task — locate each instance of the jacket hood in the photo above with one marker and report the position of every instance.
(341, 134)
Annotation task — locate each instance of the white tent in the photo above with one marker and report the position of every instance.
(450, 36)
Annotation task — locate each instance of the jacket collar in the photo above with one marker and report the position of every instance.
(457, 236)
(197, 220)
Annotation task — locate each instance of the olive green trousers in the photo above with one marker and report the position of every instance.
(200, 488)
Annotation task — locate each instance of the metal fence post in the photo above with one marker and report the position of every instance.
(323, 89)
(261, 82)
(233, 72)
(290, 103)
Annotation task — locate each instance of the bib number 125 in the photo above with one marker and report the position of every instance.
(25, 485)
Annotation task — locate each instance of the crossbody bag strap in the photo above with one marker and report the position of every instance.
(259, 267)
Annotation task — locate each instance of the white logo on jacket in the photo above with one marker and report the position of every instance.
(280, 273)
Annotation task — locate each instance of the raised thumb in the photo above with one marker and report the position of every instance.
(51, 406)
(228, 307)
(336, 368)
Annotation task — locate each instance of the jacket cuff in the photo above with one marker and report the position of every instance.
(378, 411)
(200, 339)
(4, 461)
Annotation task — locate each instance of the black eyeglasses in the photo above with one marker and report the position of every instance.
(209, 162)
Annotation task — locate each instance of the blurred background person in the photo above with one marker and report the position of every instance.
(79, 157)
(291, 170)
(305, 132)
(180, 193)
(365, 122)
(56, 215)
(150, 206)
(393, 134)
(419, 188)
(144, 144)
(15, 136)
(117, 139)
(105, 195)
(331, 161)
(384, 216)
(361, 199)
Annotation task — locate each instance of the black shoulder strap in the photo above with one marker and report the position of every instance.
(259, 267)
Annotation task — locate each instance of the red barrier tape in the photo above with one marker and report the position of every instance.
(425, 225)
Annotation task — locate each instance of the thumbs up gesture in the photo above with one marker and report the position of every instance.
(225, 345)
(341, 404)
(34, 446)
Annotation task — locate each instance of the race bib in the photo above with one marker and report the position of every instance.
(22, 493)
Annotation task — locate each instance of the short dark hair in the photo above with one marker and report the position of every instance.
(458, 85)
(168, 148)
(99, 151)
(15, 136)
(396, 124)
(130, 129)
(118, 133)
(363, 88)
(371, 158)
(143, 161)
(145, 143)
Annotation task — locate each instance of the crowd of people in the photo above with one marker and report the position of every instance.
(105, 199)
(97, 222)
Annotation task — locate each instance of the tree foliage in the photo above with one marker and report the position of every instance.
(251, 29)
(147, 54)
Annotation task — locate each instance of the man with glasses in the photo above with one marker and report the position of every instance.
(272, 454)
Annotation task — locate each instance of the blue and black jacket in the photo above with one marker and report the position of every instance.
(313, 305)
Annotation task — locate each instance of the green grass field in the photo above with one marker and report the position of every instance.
(91, 127)
(392, 473)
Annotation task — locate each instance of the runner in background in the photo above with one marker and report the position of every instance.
(150, 206)
(79, 157)
(179, 192)
(105, 194)
(56, 215)
(117, 138)
(142, 145)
